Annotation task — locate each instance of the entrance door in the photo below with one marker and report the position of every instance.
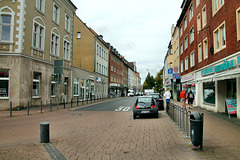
(231, 88)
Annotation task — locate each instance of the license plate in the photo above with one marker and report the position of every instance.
(145, 111)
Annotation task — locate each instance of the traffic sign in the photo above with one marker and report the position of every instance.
(176, 69)
(170, 71)
(176, 76)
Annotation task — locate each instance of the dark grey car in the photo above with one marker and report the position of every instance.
(145, 105)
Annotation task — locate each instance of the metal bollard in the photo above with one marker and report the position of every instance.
(187, 124)
(10, 108)
(71, 102)
(28, 108)
(44, 132)
(41, 106)
(50, 105)
(64, 103)
(82, 101)
(77, 101)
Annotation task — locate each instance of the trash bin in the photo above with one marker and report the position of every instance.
(196, 128)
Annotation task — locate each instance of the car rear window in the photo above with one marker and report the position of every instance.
(155, 95)
(145, 100)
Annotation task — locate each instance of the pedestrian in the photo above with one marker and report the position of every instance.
(167, 95)
(190, 98)
(183, 98)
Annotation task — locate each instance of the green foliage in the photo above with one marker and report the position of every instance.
(156, 82)
(149, 82)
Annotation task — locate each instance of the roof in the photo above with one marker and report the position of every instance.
(184, 7)
(95, 33)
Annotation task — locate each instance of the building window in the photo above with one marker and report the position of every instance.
(99, 68)
(185, 42)
(36, 84)
(190, 12)
(78, 35)
(56, 13)
(200, 52)
(55, 41)
(53, 86)
(186, 63)
(6, 24)
(209, 92)
(67, 22)
(185, 22)
(199, 23)
(219, 38)
(181, 47)
(38, 36)
(217, 4)
(4, 84)
(111, 78)
(180, 30)
(204, 17)
(205, 48)
(75, 87)
(40, 5)
(238, 23)
(191, 35)
(66, 49)
(192, 59)
(181, 66)
(197, 3)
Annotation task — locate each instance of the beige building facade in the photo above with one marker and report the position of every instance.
(33, 35)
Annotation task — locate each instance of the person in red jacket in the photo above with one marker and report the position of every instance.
(183, 97)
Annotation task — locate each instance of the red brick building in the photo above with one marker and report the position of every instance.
(209, 49)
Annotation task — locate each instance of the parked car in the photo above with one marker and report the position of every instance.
(158, 99)
(145, 105)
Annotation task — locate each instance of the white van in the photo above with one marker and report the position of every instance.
(130, 92)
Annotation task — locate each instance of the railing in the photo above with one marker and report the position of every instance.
(75, 102)
(181, 117)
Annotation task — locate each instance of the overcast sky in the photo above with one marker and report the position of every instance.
(140, 30)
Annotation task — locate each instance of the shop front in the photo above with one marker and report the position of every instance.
(188, 83)
(220, 87)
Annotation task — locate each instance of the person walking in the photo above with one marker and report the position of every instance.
(190, 98)
(167, 95)
(183, 98)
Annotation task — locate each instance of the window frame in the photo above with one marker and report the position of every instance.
(56, 13)
(186, 63)
(191, 35)
(67, 22)
(11, 14)
(39, 84)
(75, 87)
(53, 44)
(182, 67)
(40, 5)
(66, 57)
(238, 23)
(199, 24)
(200, 52)
(190, 12)
(53, 86)
(204, 16)
(185, 42)
(192, 59)
(8, 83)
(181, 48)
(205, 49)
(185, 22)
(216, 6)
(218, 36)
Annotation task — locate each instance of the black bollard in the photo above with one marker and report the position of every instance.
(71, 103)
(44, 132)
(50, 105)
(41, 106)
(28, 108)
(10, 108)
(64, 103)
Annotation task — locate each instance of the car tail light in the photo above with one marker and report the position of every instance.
(136, 107)
(153, 106)
(159, 100)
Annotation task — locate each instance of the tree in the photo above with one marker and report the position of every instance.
(149, 82)
(158, 80)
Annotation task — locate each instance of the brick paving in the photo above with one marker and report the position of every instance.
(104, 135)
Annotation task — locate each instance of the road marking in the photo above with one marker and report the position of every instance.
(122, 108)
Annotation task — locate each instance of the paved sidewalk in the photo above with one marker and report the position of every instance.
(113, 135)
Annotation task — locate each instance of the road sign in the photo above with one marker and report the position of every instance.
(176, 76)
(170, 71)
(176, 69)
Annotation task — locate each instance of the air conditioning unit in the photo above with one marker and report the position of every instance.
(64, 99)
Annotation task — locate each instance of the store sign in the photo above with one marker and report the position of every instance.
(238, 60)
(188, 77)
(231, 106)
(114, 85)
(207, 71)
(91, 77)
(225, 65)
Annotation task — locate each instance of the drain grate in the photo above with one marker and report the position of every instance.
(53, 152)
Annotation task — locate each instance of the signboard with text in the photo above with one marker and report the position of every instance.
(231, 106)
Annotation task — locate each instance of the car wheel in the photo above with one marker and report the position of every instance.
(134, 116)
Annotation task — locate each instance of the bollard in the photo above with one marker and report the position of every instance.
(77, 101)
(44, 132)
(10, 108)
(41, 106)
(82, 101)
(87, 100)
(71, 102)
(187, 124)
(28, 108)
(50, 105)
(64, 103)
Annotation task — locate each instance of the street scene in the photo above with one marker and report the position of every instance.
(106, 130)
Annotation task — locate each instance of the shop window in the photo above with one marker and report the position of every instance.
(53, 86)
(36, 84)
(209, 92)
(4, 84)
(75, 87)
